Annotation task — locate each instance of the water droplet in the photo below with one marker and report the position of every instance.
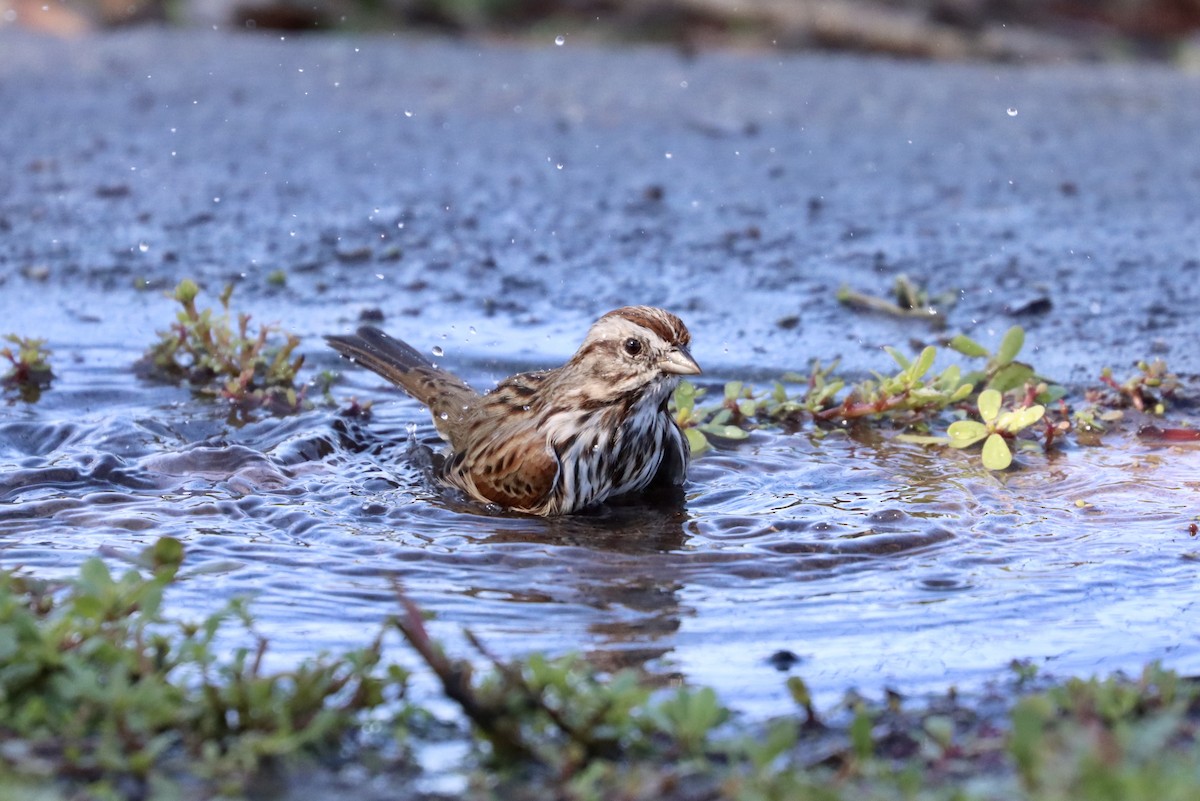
(559, 166)
(472, 331)
(412, 429)
(525, 408)
(143, 247)
(1012, 112)
(437, 351)
(407, 113)
(560, 40)
(444, 416)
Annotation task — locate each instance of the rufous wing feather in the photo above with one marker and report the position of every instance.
(514, 468)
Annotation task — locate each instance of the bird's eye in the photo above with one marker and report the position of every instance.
(633, 346)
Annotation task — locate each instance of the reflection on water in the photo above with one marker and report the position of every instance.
(873, 562)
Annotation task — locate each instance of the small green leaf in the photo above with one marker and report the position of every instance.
(685, 397)
(1010, 346)
(799, 691)
(1023, 418)
(1052, 393)
(88, 607)
(965, 433)
(967, 346)
(940, 728)
(918, 439)
(860, 734)
(94, 577)
(899, 357)
(1011, 376)
(747, 407)
(996, 455)
(186, 291)
(733, 389)
(697, 442)
(921, 366)
(167, 555)
(962, 392)
(989, 404)
(724, 431)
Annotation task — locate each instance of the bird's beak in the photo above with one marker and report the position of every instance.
(678, 361)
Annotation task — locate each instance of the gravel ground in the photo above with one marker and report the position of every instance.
(522, 190)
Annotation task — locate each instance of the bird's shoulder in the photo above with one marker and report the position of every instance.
(518, 391)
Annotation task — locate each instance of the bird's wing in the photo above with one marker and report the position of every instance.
(515, 467)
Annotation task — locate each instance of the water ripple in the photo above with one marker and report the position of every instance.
(876, 561)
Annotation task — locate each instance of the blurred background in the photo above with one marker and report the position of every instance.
(996, 30)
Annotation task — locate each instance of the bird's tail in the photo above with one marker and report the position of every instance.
(446, 395)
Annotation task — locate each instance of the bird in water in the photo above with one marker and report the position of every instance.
(553, 442)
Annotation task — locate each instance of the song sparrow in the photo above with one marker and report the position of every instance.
(555, 441)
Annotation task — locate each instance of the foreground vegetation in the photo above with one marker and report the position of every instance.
(105, 695)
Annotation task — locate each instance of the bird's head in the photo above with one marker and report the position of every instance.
(636, 347)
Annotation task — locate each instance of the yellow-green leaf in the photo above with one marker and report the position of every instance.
(1011, 376)
(921, 366)
(918, 439)
(899, 357)
(685, 396)
(989, 404)
(964, 433)
(697, 442)
(996, 455)
(1010, 346)
(962, 392)
(725, 431)
(967, 346)
(1028, 416)
(186, 291)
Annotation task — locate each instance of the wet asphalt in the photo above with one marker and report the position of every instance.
(502, 195)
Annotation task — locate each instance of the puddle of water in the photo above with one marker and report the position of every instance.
(875, 563)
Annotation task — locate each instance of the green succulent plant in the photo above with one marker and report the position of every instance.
(30, 372)
(995, 428)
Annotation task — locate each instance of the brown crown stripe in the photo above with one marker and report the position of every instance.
(666, 325)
